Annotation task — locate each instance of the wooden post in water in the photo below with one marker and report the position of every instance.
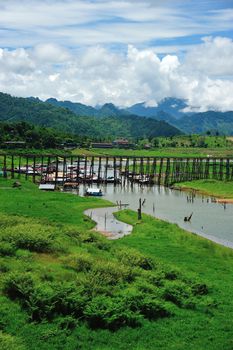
(120, 168)
(85, 168)
(231, 169)
(56, 171)
(126, 170)
(148, 167)
(91, 174)
(41, 168)
(214, 169)
(26, 172)
(227, 169)
(12, 167)
(19, 168)
(141, 168)
(167, 172)
(221, 170)
(63, 170)
(71, 170)
(153, 171)
(78, 169)
(200, 168)
(99, 169)
(134, 170)
(182, 169)
(140, 209)
(4, 167)
(106, 169)
(160, 171)
(187, 170)
(173, 171)
(34, 169)
(194, 169)
(207, 168)
(114, 170)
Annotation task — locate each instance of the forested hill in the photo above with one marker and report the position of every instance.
(212, 121)
(36, 112)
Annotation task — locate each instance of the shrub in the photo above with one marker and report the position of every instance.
(199, 288)
(104, 312)
(134, 258)
(81, 262)
(177, 292)
(33, 237)
(18, 285)
(7, 249)
(110, 273)
(8, 342)
(70, 299)
(154, 309)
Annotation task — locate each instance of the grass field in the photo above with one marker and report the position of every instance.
(65, 287)
(159, 152)
(221, 189)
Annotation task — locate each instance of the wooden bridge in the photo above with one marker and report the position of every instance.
(102, 169)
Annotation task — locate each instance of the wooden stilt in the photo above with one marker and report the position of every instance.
(160, 171)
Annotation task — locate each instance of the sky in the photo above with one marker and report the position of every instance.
(119, 51)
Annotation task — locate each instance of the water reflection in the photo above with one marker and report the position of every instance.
(107, 224)
(210, 219)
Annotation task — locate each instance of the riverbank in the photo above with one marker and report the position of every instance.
(63, 286)
(222, 190)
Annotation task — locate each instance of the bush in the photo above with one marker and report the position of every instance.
(199, 288)
(104, 312)
(81, 262)
(33, 237)
(154, 309)
(110, 273)
(8, 342)
(18, 285)
(134, 258)
(7, 249)
(177, 292)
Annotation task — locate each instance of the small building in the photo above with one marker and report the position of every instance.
(122, 143)
(14, 144)
(101, 145)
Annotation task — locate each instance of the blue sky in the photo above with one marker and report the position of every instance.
(150, 48)
(80, 23)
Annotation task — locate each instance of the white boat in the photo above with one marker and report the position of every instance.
(95, 192)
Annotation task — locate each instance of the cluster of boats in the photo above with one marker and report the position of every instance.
(82, 171)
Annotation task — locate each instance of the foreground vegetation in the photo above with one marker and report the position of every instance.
(65, 287)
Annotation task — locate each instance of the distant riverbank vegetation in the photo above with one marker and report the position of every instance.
(22, 136)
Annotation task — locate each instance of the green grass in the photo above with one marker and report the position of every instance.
(221, 189)
(65, 287)
(160, 152)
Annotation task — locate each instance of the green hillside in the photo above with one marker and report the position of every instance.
(34, 111)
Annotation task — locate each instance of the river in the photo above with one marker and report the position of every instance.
(210, 219)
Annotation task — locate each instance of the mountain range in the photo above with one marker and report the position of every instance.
(170, 110)
(106, 123)
(168, 118)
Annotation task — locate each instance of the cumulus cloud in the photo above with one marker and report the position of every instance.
(98, 75)
(214, 57)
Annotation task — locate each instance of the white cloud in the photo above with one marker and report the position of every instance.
(86, 22)
(214, 57)
(97, 75)
(50, 53)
